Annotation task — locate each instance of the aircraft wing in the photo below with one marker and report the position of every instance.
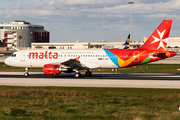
(76, 64)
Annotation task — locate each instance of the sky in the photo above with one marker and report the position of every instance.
(94, 20)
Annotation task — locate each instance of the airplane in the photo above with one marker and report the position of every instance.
(127, 41)
(56, 61)
(124, 46)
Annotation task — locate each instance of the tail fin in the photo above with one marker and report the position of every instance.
(158, 40)
(127, 40)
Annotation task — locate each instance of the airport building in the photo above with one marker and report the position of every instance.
(22, 34)
(83, 45)
(172, 45)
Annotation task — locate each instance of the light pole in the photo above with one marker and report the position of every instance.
(131, 19)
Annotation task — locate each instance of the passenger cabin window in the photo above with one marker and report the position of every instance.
(13, 55)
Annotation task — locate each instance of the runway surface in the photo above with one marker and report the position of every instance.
(97, 80)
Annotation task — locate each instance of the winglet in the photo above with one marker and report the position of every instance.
(77, 59)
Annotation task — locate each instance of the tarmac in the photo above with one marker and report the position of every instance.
(167, 81)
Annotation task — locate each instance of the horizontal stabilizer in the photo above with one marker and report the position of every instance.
(163, 55)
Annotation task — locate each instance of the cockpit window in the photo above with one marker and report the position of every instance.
(13, 55)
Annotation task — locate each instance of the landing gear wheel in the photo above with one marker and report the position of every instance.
(77, 75)
(26, 74)
(88, 73)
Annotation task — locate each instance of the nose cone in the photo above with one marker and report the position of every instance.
(7, 61)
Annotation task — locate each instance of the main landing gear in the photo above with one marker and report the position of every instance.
(88, 73)
(26, 72)
(78, 74)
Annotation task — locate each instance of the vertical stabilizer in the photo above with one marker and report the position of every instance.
(158, 40)
(127, 40)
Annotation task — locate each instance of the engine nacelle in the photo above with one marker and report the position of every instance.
(50, 69)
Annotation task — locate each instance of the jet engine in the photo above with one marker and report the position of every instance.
(50, 69)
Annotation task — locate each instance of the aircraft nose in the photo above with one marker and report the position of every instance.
(7, 61)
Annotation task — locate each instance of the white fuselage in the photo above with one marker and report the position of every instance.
(92, 58)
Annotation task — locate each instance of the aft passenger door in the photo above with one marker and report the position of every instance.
(136, 54)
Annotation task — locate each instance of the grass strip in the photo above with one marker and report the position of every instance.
(88, 103)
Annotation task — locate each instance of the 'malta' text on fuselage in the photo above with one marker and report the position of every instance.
(43, 55)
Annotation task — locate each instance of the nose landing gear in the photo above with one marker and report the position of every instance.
(26, 72)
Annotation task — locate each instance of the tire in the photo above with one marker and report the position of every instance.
(77, 75)
(88, 73)
(26, 74)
